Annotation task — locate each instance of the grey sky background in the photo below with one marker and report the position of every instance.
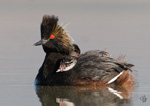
(120, 26)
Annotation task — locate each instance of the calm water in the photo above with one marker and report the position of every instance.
(120, 26)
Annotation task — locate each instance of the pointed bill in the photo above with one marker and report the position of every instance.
(41, 42)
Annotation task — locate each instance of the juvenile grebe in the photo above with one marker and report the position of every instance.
(69, 61)
(91, 68)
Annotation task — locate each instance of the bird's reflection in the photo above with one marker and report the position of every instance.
(83, 95)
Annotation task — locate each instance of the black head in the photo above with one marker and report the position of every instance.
(53, 37)
(76, 51)
(76, 48)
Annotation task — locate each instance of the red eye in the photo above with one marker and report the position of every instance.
(52, 37)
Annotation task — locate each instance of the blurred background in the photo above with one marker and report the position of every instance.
(121, 26)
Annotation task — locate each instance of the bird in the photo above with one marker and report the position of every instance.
(64, 65)
(69, 61)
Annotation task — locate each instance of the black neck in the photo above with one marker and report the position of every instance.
(49, 66)
(51, 61)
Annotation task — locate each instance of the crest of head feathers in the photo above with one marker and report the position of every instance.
(54, 32)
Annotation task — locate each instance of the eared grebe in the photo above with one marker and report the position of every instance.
(64, 66)
(69, 61)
